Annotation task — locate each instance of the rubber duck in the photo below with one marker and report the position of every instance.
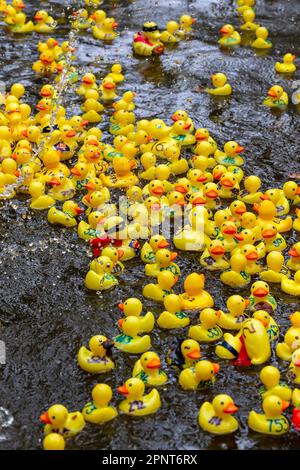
(267, 214)
(251, 193)
(149, 249)
(102, 278)
(129, 341)
(113, 253)
(186, 22)
(40, 200)
(287, 66)
(148, 369)
(133, 307)
(5, 142)
(122, 176)
(116, 74)
(126, 102)
(229, 37)
(180, 133)
(186, 355)
(236, 276)
(9, 14)
(57, 419)
(221, 87)
(277, 98)
(272, 422)
(54, 441)
(228, 188)
(98, 410)
(291, 286)
(147, 41)
(9, 168)
(171, 34)
(98, 17)
(294, 261)
(268, 322)
(260, 298)
(275, 268)
(228, 235)
(213, 256)
(249, 18)
(62, 188)
(88, 83)
(97, 359)
(192, 237)
(291, 190)
(272, 239)
(165, 282)
(94, 227)
(291, 339)
(45, 23)
(200, 376)
(18, 5)
(296, 223)
(136, 403)
(230, 156)
(92, 109)
(216, 417)
(261, 41)
(163, 261)
(20, 26)
(207, 331)
(105, 31)
(65, 217)
(233, 319)
(194, 296)
(278, 198)
(173, 317)
(81, 20)
(203, 135)
(270, 377)
(123, 122)
(245, 5)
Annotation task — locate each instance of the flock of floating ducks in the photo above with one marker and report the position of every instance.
(238, 230)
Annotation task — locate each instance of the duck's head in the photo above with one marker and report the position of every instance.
(150, 361)
(99, 345)
(56, 416)
(95, 132)
(47, 91)
(249, 15)
(134, 194)
(150, 30)
(206, 370)
(232, 148)
(158, 129)
(18, 4)
(218, 171)
(197, 199)
(115, 226)
(130, 325)
(289, 58)
(227, 30)
(252, 183)
(91, 139)
(96, 219)
(228, 180)
(124, 117)
(292, 337)
(224, 405)
(120, 141)
(156, 188)
(96, 198)
(182, 185)
(238, 262)
(221, 216)
(41, 16)
(270, 376)
(262, 33)
(91, 94)
(190, 349)
(275, 92)
(238, 208)
(109, 24)
(157, 242)
(128, 96)
(17, 90)
(291, 189)
(246, 236)
(176, 198)
(5, 133)
(166, 280)
(269, 232)
(9, 166)
(112, 253)
(194, 284)
(67, 132)
(229, 228)
(89, 79)
(131, 307)
(294, 252)
(180, 114)
(172, 303)
(248, 220)
(186, 21)
(209, 317)
(202, 134)
(260, 289)
(164, 256)
(32, 133)
(205, 149)
(172, 153)
(101, 394)
(216, 248)
(218, 79)
(236, 304)
(181, 127)
(72, 208)
(196, 177)
(92, 154)
(152, 204)
(273, 195)
(266, 210)
(36, 189)
(250, 252)
(275, 260)
(273, 405)
(51, 159)
(122, 165)
(98, 16)
(249, 3)
(44, 105)
(116, 68)
(296, 358)
(133, 388)
(80, 169)
(21, 155)
(263, 317)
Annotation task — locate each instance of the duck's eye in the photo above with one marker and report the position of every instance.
(130, 385)
(52, 417)
(296, 337)
(187, 347)
(221, 403)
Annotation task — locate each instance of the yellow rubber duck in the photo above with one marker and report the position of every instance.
(40, 200)
(207, 331)
(8, 166)
(81, 20)
(54, 441)
(230, 156)
(245, 5)
(260, 298)
(228, 187)
(203, 135)
(97, 359)
(272, 422)
(147, 41)
(278, 198)
(287, 66)
(136, 403)
(133, 307)
(58, 419)
(216, 417)
(213, 257)
(192, 237)
(291, 190)
(173, 317)
(275, 269)
(117, 76)
(127, 103)
(150, 248)
(148, 369)
(88, 83)
(186, 22)
(106, 31)
(194, 296)
(270, 377)
(261, 41)
(62, 188)
(268, 322)
(236, 276)
(122, 176)
(44, 22)
(164, 260)
(229, 37)
(277, 98)
(7, 191)
(228, 235)
(221, 87)
(20, 26)
(102, 278)
(123, 122)
(98, 411)
(251, 193)
(165, 282)
(94, 227)
(248, 18)
(129, 341)
(91, 110)
(187, 354)
(199, 377)
(233, 320)
(291, 286)
(272, 239)
(98, 17)
(180, 133)
(65, 217)
(171, 34)
(267, 214)
(291, 339)
(294, 261)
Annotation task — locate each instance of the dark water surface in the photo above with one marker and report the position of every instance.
(47, 314)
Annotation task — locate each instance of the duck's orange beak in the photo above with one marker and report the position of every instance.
(240, 149)
(230, 230)
(193, 20)
(272, 94)
(180, 189)
(268, 233)
(200, 136)
(25, 133)
(90, 186)
(265, 197)
(123, 389)
(38, 17)
(253, 256)
(17, 173)
(285, 405)
(155, 206)
(230, 408)
(131, 164)
(297, 191)
(175, 118)
(294, 57)
(121, 307)
(55, 182)
(87, 81)
(78, 210)
(260, 292)
(41, 107)
(239, 237)
(93, 17)
(120, 322)
(247, 302)
(218, 250)
(71, 133)
(109, 86)
(88, 198)
(195, 354)
(120, 253)
(216, 367)
(84, 123)
(199, 201)
(217, 175)
(163, 244)
(174, 255)
(59, 68)
(187, 125)
(224, 30)
(75, 171)
(227, 183)
(159, 190)
(294, 253)
(202, 179)
(45, 93)
(241, 210)
(154, 364)
(211, 194)
(45, 418)
(149, 138)
(115, 25)
(93, 142)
